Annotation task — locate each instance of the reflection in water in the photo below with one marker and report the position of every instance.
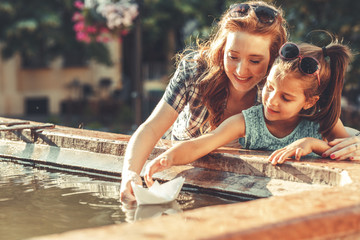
(136, 213)
(36, 202)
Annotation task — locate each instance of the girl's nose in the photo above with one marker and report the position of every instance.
(273, 100)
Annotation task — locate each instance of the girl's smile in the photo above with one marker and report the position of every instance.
(270, 111)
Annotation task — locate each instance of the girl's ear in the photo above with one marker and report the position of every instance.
(311, 102)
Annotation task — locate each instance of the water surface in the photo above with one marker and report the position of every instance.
(35, 202)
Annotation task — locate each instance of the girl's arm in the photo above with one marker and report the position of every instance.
(305, 146)
(338, 131)
(188, 151)
(142, 143)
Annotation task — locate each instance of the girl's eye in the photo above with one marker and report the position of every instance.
(285, 99)
(255, 61)
(268, 87)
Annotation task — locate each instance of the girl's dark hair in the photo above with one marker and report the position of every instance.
(334, 60)
(212, 79)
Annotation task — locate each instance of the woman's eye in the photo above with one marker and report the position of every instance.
(255, 61)
(232, 57)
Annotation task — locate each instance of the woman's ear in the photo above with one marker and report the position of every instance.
(311, 102)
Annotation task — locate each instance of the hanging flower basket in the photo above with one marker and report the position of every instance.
(97, 20)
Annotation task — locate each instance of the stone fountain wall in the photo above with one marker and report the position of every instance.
(310, 199)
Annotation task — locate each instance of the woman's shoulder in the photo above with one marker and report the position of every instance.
(190, 66)
(191, 60)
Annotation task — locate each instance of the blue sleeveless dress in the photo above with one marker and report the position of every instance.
(258, 136)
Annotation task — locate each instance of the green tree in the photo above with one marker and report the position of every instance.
(339, 17)
(169, 25)
(41, 30)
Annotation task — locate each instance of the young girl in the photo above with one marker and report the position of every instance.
(300, 107)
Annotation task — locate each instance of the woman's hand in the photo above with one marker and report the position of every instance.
(344, 149)
(126, 191)
(156, 165)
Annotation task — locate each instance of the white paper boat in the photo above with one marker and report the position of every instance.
(158, 193)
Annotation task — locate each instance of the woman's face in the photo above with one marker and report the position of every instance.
(246, 59)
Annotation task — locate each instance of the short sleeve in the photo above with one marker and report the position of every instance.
(176, 93)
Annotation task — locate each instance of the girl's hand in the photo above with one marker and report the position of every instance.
(126, 191)
(156, 165)
(344, 148)
(298, 148)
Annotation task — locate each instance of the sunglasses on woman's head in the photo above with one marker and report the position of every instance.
(307, 65)
(264, 14)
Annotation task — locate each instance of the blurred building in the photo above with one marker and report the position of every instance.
(26, 91)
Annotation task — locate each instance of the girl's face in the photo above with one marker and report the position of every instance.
(284, 99)
(246, 59)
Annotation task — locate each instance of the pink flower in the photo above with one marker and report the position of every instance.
(91, 29)
(83, 37)
(77, 17)
(79, 4)
(79, 26)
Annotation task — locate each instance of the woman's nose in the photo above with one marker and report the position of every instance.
(241, 68)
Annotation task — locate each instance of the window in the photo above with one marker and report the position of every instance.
(37, 106)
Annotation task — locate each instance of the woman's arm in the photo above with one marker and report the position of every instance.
(142, 143)
(188, 151)
(343, 145)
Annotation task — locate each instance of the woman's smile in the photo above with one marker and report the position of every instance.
(242, 79)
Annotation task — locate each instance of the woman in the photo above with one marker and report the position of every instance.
(218, 80)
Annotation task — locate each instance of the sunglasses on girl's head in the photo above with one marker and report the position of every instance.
(264, 14)
(307, 65)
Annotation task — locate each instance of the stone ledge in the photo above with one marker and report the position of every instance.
(241, 162)
(110, 166)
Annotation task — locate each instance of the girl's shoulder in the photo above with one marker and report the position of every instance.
(254, 111)
(307, 128)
